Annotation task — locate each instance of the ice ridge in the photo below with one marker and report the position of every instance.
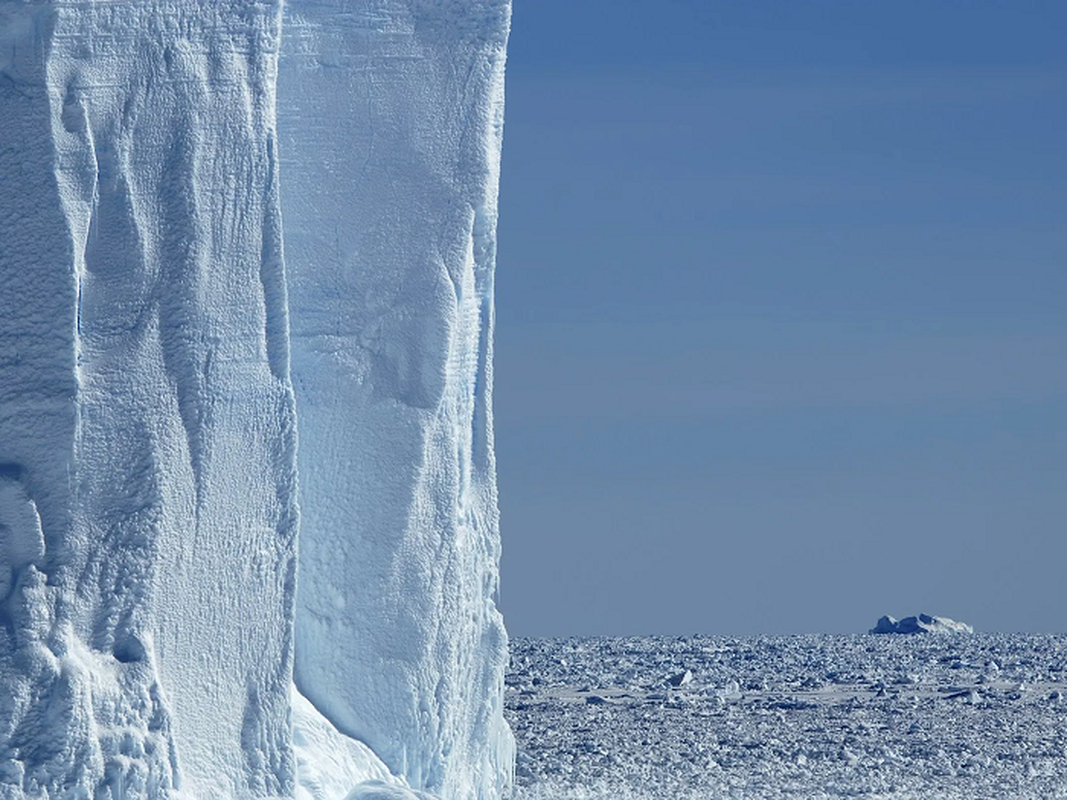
(158, 340)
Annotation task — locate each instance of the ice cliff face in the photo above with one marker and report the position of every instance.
(148, 468)
(146, 416)
(390, 121)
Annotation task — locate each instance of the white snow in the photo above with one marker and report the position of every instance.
(21, 538)
(148, 460)
(376, 790)
(330, 765)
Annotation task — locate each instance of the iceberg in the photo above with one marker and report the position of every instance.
(924, 623)
(157, 361)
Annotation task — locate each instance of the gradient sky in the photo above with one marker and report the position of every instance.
(782, 316)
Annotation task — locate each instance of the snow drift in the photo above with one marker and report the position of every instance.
(148, 460)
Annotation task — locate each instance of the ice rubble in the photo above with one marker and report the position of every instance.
(148, 506)
(813, 716)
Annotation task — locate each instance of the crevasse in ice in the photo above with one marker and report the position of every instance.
(148, 422)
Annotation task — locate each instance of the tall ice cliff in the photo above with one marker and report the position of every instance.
(225, 228)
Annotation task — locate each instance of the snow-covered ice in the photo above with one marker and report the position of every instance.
(330, 765)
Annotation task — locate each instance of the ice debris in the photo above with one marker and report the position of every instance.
(681, 679)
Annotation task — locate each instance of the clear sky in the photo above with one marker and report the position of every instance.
(782, 316)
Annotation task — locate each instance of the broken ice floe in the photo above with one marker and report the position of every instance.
(681, 679)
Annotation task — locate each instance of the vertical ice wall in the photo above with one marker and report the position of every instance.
(147, 479)
(390, 121)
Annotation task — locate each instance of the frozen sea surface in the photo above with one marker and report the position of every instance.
(950, 716)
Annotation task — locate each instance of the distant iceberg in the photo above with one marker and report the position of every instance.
(924, 623)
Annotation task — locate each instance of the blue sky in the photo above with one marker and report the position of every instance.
(781, 332)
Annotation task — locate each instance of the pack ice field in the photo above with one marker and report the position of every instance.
(817, 716)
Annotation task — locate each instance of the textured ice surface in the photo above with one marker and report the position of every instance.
(390, 119)
(147, 425)
(954, 717)
(146, 420)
